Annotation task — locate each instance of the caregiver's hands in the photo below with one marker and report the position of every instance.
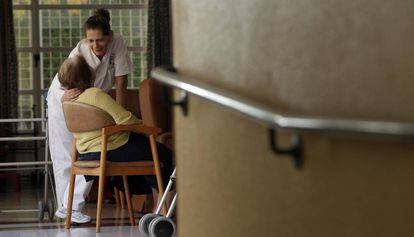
(70, 95)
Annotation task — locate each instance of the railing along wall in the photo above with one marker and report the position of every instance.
(273, 119)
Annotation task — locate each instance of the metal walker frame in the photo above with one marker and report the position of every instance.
(44, 205)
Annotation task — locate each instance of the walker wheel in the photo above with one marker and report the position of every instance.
(162, 227)
(144, 223)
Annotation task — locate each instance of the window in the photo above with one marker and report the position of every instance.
(47, 30)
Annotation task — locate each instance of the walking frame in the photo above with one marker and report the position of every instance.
(44, 205)
(156, 225)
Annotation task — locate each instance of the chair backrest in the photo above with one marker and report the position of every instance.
(132, 101)
(153, 111)
(81, 117)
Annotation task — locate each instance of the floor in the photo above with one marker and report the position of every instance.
(15, 223)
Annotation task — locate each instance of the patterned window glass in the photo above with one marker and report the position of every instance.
(25, 104)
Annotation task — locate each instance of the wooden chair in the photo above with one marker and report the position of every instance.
(153, 111)
(147, 104)
(82, 117)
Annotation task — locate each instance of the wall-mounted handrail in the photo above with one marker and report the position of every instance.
(272, 118)
(275, 120)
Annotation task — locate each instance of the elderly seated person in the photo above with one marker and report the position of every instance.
(122, 146)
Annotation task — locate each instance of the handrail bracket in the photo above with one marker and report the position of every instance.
(295, 151)
(182, 102)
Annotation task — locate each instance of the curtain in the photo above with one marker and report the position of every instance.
(159, 44)
(159, 34)
(8, 65)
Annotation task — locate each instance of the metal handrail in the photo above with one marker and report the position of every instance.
(27, 163)
(23, 120)
(273, 119)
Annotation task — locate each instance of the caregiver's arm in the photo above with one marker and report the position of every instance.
(70, 95)
(121, 86)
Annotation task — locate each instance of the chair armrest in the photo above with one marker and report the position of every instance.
(134, 128)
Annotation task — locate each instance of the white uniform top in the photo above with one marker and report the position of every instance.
(115, 62)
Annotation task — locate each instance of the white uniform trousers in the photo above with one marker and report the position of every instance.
(60, 140)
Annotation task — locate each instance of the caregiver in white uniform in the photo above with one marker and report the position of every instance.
(105, 52)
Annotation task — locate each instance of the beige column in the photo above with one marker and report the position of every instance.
(347, 59)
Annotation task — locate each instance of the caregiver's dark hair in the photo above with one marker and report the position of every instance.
(100, 20)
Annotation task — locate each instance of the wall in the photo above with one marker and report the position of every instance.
(350, 59)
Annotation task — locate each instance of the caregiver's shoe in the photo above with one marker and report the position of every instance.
(77, 216)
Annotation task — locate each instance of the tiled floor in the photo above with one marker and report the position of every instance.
(115, 221)
(57, 230)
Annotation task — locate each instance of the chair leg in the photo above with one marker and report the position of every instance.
(122, 199)
(70, 201)
(99, 204)
(140, 202)
(116, 195)
(158, 174)
(128, 199)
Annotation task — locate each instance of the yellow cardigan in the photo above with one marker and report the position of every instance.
(91, 141)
